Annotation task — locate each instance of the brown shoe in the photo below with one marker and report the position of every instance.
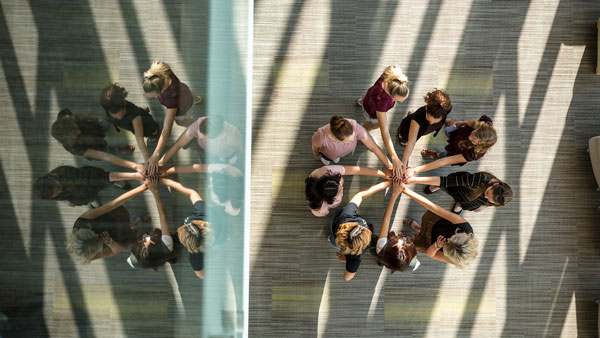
(430, 154)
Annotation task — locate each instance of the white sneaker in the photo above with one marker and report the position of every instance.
(359, 102)
(324, 161)
(336, 160)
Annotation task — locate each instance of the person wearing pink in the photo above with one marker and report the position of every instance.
(213, 134)
(325, 185)
(339, 138)
(390, 88)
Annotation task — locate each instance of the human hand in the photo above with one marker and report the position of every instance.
(140, 168)
(340, 256)
(388, 173)
(399, 168)
(152, 168)
(398, 187)
(408, 173)
(151, 184)
(105, 237)
(409, 179)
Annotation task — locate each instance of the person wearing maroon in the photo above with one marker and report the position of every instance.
(390, 88)
(427, 119)
(467, 141)
(160, 82)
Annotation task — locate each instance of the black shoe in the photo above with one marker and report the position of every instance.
(454, 207)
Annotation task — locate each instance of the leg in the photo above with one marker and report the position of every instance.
(449, 129)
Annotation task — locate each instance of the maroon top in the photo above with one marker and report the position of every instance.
(377, 99)
(168, 97)
(462, 133)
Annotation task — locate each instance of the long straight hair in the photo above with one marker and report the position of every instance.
(502, 192)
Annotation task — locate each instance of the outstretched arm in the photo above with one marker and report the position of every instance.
(429, 180)
(372, 146)
(152, 162)
(361, 195)
(193, 194)
(410, 143)
(100, 155)
(164, 221)
(119, 176)
(117, 202)
(387, 140)
(356, 170)
(138, 130)
(180, 143)
(442, 162)
(436, 209)
(385, 224)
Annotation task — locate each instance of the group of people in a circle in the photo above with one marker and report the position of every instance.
(442, 234)
(106, 229)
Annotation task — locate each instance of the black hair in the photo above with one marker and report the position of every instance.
(324, 188)
(228, 188)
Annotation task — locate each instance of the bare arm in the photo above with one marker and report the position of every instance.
(164, 221)
(361, 195)
(349, 275)
(387, 140)
(119, 176)
(372, 146)
(180, 143)
(434, 250)
(436, 209)
(138, 130)
(189, 168)
(117, 202)
(430, 180)
(410, 143)
(193, 194)
(385, 224)
(200, 274)
(100, 155)
(166, 131)
(356, 170)
(442, 162)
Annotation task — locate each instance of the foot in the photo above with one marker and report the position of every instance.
(430, 154)
(198, 99)
(122, 185)
(412, 224)
(126, 149)
(336, 160)
(140, 220)
(359, 102)
(95, 203)
(429, 190)
(457, 209)
(324, 161)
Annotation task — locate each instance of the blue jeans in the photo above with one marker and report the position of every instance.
(449, 129)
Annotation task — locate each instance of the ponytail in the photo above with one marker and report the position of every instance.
(340, 127)
(155, 77)
(396, 80)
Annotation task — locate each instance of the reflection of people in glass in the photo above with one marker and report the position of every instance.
(473, 192)
(156, 248)
(339, 138)
(78, 186)
(391, 87)
(226, 184)
(325, 186)
(213, 134)
(443, 235)
(101, 232)
(196, 234)
(83, 135)
(395, 251)
(160, 82)
(350, 233)
(124, 114)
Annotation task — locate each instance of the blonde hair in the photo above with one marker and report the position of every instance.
(155, 77)
(352, 238)
(485, 133)
(461, 249)
(84, 245)
(196, 236)
(395, 81)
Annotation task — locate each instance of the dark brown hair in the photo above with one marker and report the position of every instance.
(438, 103)
(44, 186)
(112, 98)
(64, 126)
(394, 258)
(153, 255)
(340, 127)
(501, 191)
(212, 126)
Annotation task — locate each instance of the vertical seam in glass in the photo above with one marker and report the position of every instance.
(247, 164)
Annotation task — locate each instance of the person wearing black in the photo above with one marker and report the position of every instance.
(443, 235)
(78, 186)
(350, 233)
(196, 234)
(427, 119)
(473, 192)
(83, 135)
(101, 232)
(124, 114)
